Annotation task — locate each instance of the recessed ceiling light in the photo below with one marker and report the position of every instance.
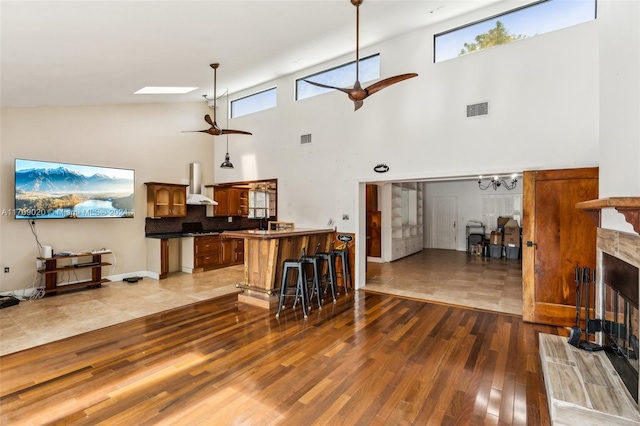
(164, 90)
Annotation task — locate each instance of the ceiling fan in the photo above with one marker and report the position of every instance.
(357, 94)
(215, 130)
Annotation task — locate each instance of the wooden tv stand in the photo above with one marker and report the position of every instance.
(52, 268)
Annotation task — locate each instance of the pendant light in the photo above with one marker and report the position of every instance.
(227, 164)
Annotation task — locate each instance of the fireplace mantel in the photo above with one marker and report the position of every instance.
(629, 207)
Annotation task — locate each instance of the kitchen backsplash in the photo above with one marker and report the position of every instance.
(199, 214)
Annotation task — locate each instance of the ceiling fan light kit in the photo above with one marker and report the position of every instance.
(358, 94)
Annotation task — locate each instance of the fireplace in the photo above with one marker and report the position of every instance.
(617, 300)
(621, 321)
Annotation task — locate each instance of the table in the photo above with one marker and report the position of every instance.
(264, 252)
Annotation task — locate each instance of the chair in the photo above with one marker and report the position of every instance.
(314, 261)
(330, 277)
(297, 265)
(343, 254)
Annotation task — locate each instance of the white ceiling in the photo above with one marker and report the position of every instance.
(100, 52)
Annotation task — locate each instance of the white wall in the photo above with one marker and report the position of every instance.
(543, 95)
(146, 138)
(619, 25)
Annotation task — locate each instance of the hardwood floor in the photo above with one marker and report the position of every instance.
(368, 359)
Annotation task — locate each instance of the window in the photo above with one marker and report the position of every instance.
(342, 76)
(254, 103)
(528, 21)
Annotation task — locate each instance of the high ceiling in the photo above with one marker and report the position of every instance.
(100, 52)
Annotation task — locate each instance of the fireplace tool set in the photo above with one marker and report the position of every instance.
(584, 277)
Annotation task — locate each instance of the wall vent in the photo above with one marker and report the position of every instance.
(305, 139)
(475, 110)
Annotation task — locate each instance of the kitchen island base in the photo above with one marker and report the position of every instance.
(264, 253)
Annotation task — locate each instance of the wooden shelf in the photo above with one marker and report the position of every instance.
(89, 283)
(52, 269)
(71, 267)
(629, 207)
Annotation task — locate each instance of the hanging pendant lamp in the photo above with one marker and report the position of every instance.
(227, 164)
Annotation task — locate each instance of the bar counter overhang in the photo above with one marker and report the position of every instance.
(264, 252)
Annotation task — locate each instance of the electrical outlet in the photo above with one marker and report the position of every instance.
(74, 261)
(6, 269)
(345, 217)
(230, 219)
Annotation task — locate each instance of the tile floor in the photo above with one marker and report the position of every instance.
(452, 277)
(435, 275)
(35, 322)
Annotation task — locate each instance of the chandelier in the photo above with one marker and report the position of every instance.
(497, 182)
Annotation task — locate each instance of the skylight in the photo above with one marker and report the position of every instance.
(151, 90)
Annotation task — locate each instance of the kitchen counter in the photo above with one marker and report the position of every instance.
(168, 235)
(264, 252)
(283, 233)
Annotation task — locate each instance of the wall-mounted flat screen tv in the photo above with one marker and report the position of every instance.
(48, 190)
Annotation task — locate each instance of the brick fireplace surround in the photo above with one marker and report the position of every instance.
(583, 387)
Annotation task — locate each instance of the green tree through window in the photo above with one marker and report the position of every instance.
(493, 37)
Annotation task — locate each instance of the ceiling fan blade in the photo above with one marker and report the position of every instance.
(375, 87)
(207, 118)
(328, 87)
(234, 132)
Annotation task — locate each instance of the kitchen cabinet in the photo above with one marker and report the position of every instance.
(232, 251)
(226, 250)
(210, 252)
(221, 196)
(238, 251)
(166, 199)
(231, 201)
(207, 252)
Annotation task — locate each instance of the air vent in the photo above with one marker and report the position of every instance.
(475, 110)
(305, 139)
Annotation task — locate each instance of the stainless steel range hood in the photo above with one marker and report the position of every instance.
(195, 187)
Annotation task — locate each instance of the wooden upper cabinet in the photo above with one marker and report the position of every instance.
(238, 202)
(221, 196)
(231, 201)
(166, 199)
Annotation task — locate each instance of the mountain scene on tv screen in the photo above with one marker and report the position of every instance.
(62, 192)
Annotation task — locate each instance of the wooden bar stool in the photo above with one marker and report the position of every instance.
(297, 265)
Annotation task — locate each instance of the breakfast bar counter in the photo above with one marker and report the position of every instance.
(264, 252)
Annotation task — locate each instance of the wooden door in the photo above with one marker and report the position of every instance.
(374, 234)
(444, 213)
(374, 222)
(556, 237)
